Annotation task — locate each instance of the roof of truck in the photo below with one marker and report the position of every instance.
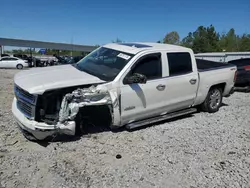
(135, 47)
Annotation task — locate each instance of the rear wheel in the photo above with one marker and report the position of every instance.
(213, 100)
(19, 66)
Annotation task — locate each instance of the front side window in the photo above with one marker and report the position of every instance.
(150, 66)
(104, 63)
(179, 63)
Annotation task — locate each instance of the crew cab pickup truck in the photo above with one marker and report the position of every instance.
(118, 84)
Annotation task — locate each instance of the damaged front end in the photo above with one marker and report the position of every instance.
(79, 98)
(68, 111)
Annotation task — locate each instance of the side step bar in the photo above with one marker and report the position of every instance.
(160, 118)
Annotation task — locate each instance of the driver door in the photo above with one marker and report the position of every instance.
(141, 101)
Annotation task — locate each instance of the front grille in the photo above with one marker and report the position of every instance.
(25, 95)
(25, 102)
(25, 108)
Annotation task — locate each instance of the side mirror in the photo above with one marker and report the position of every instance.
(136, 78)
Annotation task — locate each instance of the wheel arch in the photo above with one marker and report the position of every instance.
(19, 64)
(205, 105)
(222, 86)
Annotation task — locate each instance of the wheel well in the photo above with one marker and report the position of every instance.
(99, 116)
(221, 85)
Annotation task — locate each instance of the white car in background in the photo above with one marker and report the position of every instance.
(13, 62)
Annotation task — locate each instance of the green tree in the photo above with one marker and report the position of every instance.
(188, 41)
(223, 42)
(244, 42)
(200, 40)
(172, 38)
(231, 41)
(203, 39)
(212, 40)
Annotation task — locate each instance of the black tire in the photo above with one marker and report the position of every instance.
(19, 66)
(213, 100)
(82, 124)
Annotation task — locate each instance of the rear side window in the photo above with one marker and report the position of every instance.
(179, 63)
(150, 66)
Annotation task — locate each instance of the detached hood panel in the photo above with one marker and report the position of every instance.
(39, 80)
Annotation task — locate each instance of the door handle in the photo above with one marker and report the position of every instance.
(193, 81)
(160, 87)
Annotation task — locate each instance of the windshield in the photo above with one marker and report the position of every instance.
(104, 63)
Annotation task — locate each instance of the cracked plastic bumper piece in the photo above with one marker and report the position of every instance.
(41, 130)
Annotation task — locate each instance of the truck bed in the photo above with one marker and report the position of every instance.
(205, 65)
(214, 73)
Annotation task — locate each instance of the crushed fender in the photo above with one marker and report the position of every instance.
(92, 96)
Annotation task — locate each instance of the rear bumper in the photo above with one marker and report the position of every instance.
(25, 65)
(39, 130)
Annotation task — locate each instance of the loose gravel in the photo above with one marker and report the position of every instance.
(202, 150)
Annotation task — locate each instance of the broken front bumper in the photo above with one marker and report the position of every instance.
(41, 130)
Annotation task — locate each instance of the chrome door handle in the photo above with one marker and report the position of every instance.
(193, 81)
(160, 87)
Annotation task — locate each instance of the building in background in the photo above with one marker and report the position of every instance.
(223, 57)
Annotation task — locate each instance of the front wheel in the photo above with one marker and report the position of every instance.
(19, 66)
(213, 100)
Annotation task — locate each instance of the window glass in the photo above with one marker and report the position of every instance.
(179, 63)
(6, 59)
(104, 63)
(150, 66)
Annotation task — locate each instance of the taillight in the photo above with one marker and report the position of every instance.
(235, 76)
(247, 68)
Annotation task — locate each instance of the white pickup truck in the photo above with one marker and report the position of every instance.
(127, 84)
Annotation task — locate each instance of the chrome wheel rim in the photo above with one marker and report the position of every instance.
(215, 99)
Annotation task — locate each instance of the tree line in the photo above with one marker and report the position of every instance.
(206, 39)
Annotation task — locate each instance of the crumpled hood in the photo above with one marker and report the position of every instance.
(39, 80)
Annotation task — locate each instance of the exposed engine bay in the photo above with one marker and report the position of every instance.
(83, 104)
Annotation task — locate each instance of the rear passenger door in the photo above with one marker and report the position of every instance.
(181, 81)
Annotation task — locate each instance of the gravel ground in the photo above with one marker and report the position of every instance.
(203, 150)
